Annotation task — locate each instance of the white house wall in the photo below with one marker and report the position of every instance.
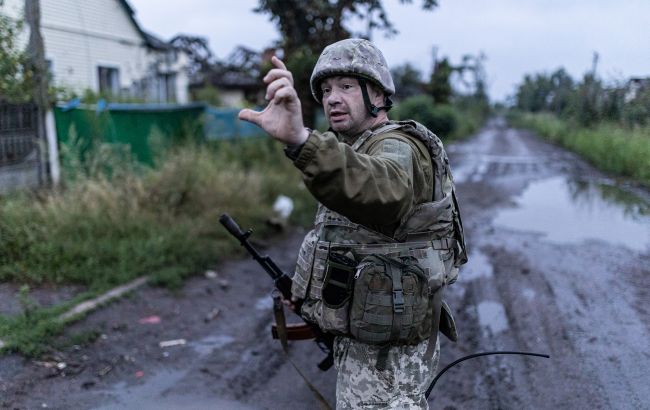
(101, 35)
(81, 35)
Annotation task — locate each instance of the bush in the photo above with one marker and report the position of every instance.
(104, 230)
(441, 119)
(608, 146)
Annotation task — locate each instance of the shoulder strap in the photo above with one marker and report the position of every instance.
(389, 126)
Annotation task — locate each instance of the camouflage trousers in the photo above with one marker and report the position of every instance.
(402, 385)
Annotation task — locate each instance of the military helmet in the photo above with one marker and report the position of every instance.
(353, 57)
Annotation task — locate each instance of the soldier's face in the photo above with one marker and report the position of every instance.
(343, 105)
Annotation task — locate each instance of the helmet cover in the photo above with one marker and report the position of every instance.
(352, 57)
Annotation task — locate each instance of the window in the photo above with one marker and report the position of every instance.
(109, 80)
(170, 85)
(166, 87)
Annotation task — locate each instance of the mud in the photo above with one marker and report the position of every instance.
(559, 264)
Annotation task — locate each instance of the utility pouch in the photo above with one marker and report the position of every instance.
(339, 276)
(390, 302)
(337, 291)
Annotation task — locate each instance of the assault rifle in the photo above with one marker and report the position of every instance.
(282, 282)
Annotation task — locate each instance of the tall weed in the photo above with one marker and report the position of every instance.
(609, 146)
(105, 228)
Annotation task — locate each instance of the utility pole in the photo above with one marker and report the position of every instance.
(36, 58)
(594, 63)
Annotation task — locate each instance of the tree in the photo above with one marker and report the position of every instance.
(15, 74)
(440, 81)
(37, 65)
(308, 26)
(36, 55)
(198, 52)
(562, 91)
(408, 81)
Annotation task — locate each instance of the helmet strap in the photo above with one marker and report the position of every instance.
(372, 109)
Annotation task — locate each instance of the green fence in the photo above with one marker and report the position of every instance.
(222, 123)
(137, 125)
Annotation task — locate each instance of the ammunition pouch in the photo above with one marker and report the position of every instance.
(379, 293)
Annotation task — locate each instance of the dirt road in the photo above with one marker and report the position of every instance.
(559, 264)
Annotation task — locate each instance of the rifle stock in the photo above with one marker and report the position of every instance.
(325, 341)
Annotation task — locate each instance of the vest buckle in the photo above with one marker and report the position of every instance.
(398, 301)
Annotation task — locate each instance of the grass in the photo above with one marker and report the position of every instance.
(116, 220)
(610, 147)
(107, 228)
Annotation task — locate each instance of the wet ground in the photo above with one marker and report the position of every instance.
(559, 264)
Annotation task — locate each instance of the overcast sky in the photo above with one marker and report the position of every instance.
(517, 36)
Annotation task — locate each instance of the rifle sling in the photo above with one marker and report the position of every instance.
(281, 329)
(294, 331)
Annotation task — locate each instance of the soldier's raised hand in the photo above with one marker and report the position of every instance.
(282, 117)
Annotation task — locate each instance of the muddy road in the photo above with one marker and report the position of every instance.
(559, 264)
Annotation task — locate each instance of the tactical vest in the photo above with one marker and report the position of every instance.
(376, 288)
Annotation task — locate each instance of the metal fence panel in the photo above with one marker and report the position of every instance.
(131, 124)
(18, 132)
(223, 124)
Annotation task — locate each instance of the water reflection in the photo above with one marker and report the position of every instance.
(573, 211)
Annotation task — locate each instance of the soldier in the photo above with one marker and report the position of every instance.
(387, 236)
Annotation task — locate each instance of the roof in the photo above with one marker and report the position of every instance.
(151, 40)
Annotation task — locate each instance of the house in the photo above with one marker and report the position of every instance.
(237, 80)
(100, 46)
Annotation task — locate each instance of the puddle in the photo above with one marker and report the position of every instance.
(156, 392)
(492, 315)
(477, 266)
(183, 402)
(571, 211)
(208, 344)
(139, 395)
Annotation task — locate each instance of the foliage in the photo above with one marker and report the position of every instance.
(241, 67)
(607, 145)
(589, 102)
(307, 27)
(207, 94)
(408, 81)
(102, 231)
(16, 77)
(470, 73)
(317, 23)
(447, 121)
(446, 111)
(198, 52)
(441, 119)
(439, 86)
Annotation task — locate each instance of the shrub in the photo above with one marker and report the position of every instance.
(609, 146)
(102, 230)
(441, 119)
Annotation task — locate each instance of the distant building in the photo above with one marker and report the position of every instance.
(99, 45)
(235, 89)
(636, 86)
(238, 80)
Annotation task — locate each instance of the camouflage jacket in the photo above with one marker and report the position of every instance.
(386, 191)
(375, 189)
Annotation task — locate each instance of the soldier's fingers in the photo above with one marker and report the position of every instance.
(278, 63)
(250, 116)
(275, 86)
(277, 73)
(285, 94)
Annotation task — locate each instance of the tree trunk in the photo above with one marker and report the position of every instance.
(36, 59)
